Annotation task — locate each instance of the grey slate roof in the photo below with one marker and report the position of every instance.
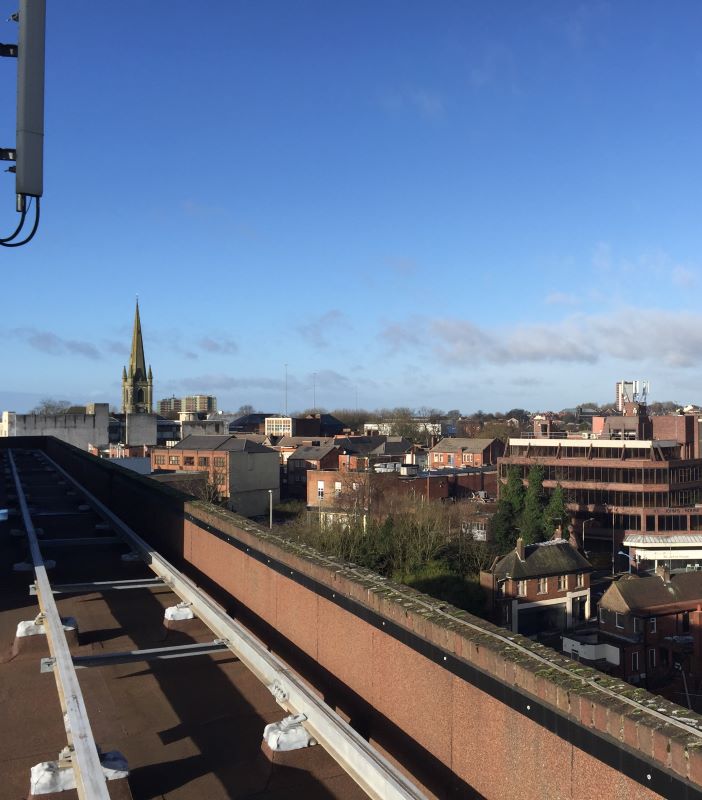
(461, 445)
(312, 453)
(296, 441)
(231, 443)
(374, 445)
(556, 557)
(645, 593)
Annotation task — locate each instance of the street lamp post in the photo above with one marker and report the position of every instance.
(590, 519)
(270, 509)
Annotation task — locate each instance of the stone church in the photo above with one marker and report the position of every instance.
(137, 383)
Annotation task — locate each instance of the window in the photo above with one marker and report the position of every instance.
(521, 588)
(543, 586)
(220, 461)
(652, 625)
(652, 657)
(189, 461)
(562, 583)
(618, 620)
(603, 617)
(686, 621)
(637, 625)
(159, 459)
(174, 459)
(337, 488)
(320, 490)
(635, 661)
(203, 461)
(580, 580)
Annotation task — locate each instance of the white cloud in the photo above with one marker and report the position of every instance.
(638, 336)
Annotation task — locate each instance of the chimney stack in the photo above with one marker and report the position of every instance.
(663, 572)
(520, 548)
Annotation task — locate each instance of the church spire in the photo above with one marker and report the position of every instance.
(137, 382)
(137, 365)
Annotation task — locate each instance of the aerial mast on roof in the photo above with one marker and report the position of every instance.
(28, 153)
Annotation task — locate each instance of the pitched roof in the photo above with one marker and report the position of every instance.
(649, 593)
(311, 452)
(555, 557)
(296, 441)
(374, 445)
(461, 445)
(231, 443)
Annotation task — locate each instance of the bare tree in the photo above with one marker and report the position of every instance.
(49, 405)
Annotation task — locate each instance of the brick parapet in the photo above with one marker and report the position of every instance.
(581, 693)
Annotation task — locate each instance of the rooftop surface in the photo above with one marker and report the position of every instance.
(189, 727)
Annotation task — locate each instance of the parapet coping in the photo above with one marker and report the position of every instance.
(635, 719)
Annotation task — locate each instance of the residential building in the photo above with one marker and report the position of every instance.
(654, 623)
(539, 588)
(199, 403)
(244, 472)
(465, 453)
(306, 458)
(319, 425)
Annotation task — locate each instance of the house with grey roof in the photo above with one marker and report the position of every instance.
(539, 588)
(246, 474)
(465, 452)
(654, 624)
(305, 458)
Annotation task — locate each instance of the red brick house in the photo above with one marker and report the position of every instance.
(457, 453)
(655, 622)
(306, 458)
(538, 588)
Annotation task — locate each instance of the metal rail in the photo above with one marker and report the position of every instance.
(371, 771)
(135, 656)
(85, 761)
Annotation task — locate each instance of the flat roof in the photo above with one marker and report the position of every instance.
(189, 727)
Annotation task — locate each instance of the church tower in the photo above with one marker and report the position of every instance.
(137, 383)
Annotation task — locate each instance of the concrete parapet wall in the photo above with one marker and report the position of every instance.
(470, 709)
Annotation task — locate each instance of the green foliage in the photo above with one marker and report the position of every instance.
(532, 518)
(503, 525)
(435, 579)
(502, 528)
(414, 541)
(513, 492)
(556, 512)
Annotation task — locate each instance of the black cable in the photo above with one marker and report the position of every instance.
(19, 227)
(33, 231)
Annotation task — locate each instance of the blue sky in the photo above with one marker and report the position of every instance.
(451, 204)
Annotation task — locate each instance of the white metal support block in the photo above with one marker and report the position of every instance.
(371, 771)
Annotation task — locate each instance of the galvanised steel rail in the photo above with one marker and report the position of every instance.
(371, 771)
(85, 761)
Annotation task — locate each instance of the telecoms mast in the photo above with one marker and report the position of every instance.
(28, 153)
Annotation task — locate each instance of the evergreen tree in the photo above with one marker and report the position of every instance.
(532, 518)
(556, 513)
(512, 493)
(503, 525)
